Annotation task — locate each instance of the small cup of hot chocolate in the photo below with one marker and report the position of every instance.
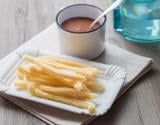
(76, 36)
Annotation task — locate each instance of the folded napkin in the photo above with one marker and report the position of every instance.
(135, 65)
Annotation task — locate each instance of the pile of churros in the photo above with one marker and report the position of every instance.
(59, 80)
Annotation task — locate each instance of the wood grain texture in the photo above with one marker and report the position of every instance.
(22, 19)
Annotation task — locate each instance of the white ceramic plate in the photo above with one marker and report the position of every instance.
(111, 76)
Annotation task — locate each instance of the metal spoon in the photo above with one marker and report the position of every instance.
(109, 9)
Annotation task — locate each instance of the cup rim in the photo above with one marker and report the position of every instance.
(84, 31)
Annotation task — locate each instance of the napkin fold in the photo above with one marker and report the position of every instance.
(135, 65)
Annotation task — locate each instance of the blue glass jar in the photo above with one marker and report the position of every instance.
(138, 20)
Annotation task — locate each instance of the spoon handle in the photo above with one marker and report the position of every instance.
(110, 8)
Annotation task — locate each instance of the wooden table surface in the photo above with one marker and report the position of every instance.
(20, 20)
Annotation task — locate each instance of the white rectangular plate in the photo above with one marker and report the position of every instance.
(111, 76)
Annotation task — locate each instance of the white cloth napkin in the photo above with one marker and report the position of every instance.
(135, 65)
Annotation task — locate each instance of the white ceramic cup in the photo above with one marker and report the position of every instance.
(86, 45)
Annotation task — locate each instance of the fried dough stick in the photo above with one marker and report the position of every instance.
(91, 84)
(20, 84)
(53, 81)
(94, 86)
(83, 71)
(68, 62)
(75, 102)
(64, 61)
(67, 92)
(53, 71)
(40, 91)
(60, 91)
